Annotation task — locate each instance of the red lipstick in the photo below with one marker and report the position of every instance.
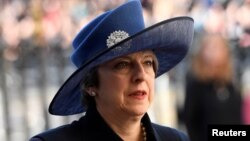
(139, 95)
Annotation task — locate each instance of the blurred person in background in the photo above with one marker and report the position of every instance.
(211, 94)
(243, 50)
(118, 60)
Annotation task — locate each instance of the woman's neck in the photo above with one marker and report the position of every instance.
(127, 127)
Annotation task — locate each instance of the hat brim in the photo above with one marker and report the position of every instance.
(169, 40)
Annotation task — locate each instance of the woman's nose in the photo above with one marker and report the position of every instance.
(138, 73)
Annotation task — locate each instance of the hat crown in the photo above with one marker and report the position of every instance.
(93, 38)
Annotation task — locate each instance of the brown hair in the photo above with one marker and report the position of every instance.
(213, 60)
(90, 79)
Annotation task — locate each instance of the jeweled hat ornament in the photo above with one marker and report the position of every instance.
(116, 33)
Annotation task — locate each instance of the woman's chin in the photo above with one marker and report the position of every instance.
(138, 111)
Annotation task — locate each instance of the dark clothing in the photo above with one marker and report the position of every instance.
(207, 103)
(92, 127)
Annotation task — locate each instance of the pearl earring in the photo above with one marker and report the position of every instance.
(92, 93)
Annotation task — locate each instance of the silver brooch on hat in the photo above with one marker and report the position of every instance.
(115, 37)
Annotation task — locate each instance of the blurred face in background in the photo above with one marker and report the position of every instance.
(213, 61)
(215, 53)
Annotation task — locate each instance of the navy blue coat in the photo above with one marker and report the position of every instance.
(92, 127)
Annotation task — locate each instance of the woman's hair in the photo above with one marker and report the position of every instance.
(213, 61)
(91, 79)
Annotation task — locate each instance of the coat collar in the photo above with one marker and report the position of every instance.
(96, 128)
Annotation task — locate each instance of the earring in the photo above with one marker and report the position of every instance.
(92, 93)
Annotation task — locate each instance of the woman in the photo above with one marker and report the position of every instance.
(118, 61)
(211, 96)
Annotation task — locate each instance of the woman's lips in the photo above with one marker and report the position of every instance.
(139, 95)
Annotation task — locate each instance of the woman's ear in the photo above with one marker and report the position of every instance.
(91, 91)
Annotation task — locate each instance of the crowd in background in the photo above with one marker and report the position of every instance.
(35, 46)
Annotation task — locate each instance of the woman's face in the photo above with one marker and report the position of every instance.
(126, 84)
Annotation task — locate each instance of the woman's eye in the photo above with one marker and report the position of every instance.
(149, 63)
(122, 65)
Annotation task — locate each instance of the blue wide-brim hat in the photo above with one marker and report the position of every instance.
(119, 32)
